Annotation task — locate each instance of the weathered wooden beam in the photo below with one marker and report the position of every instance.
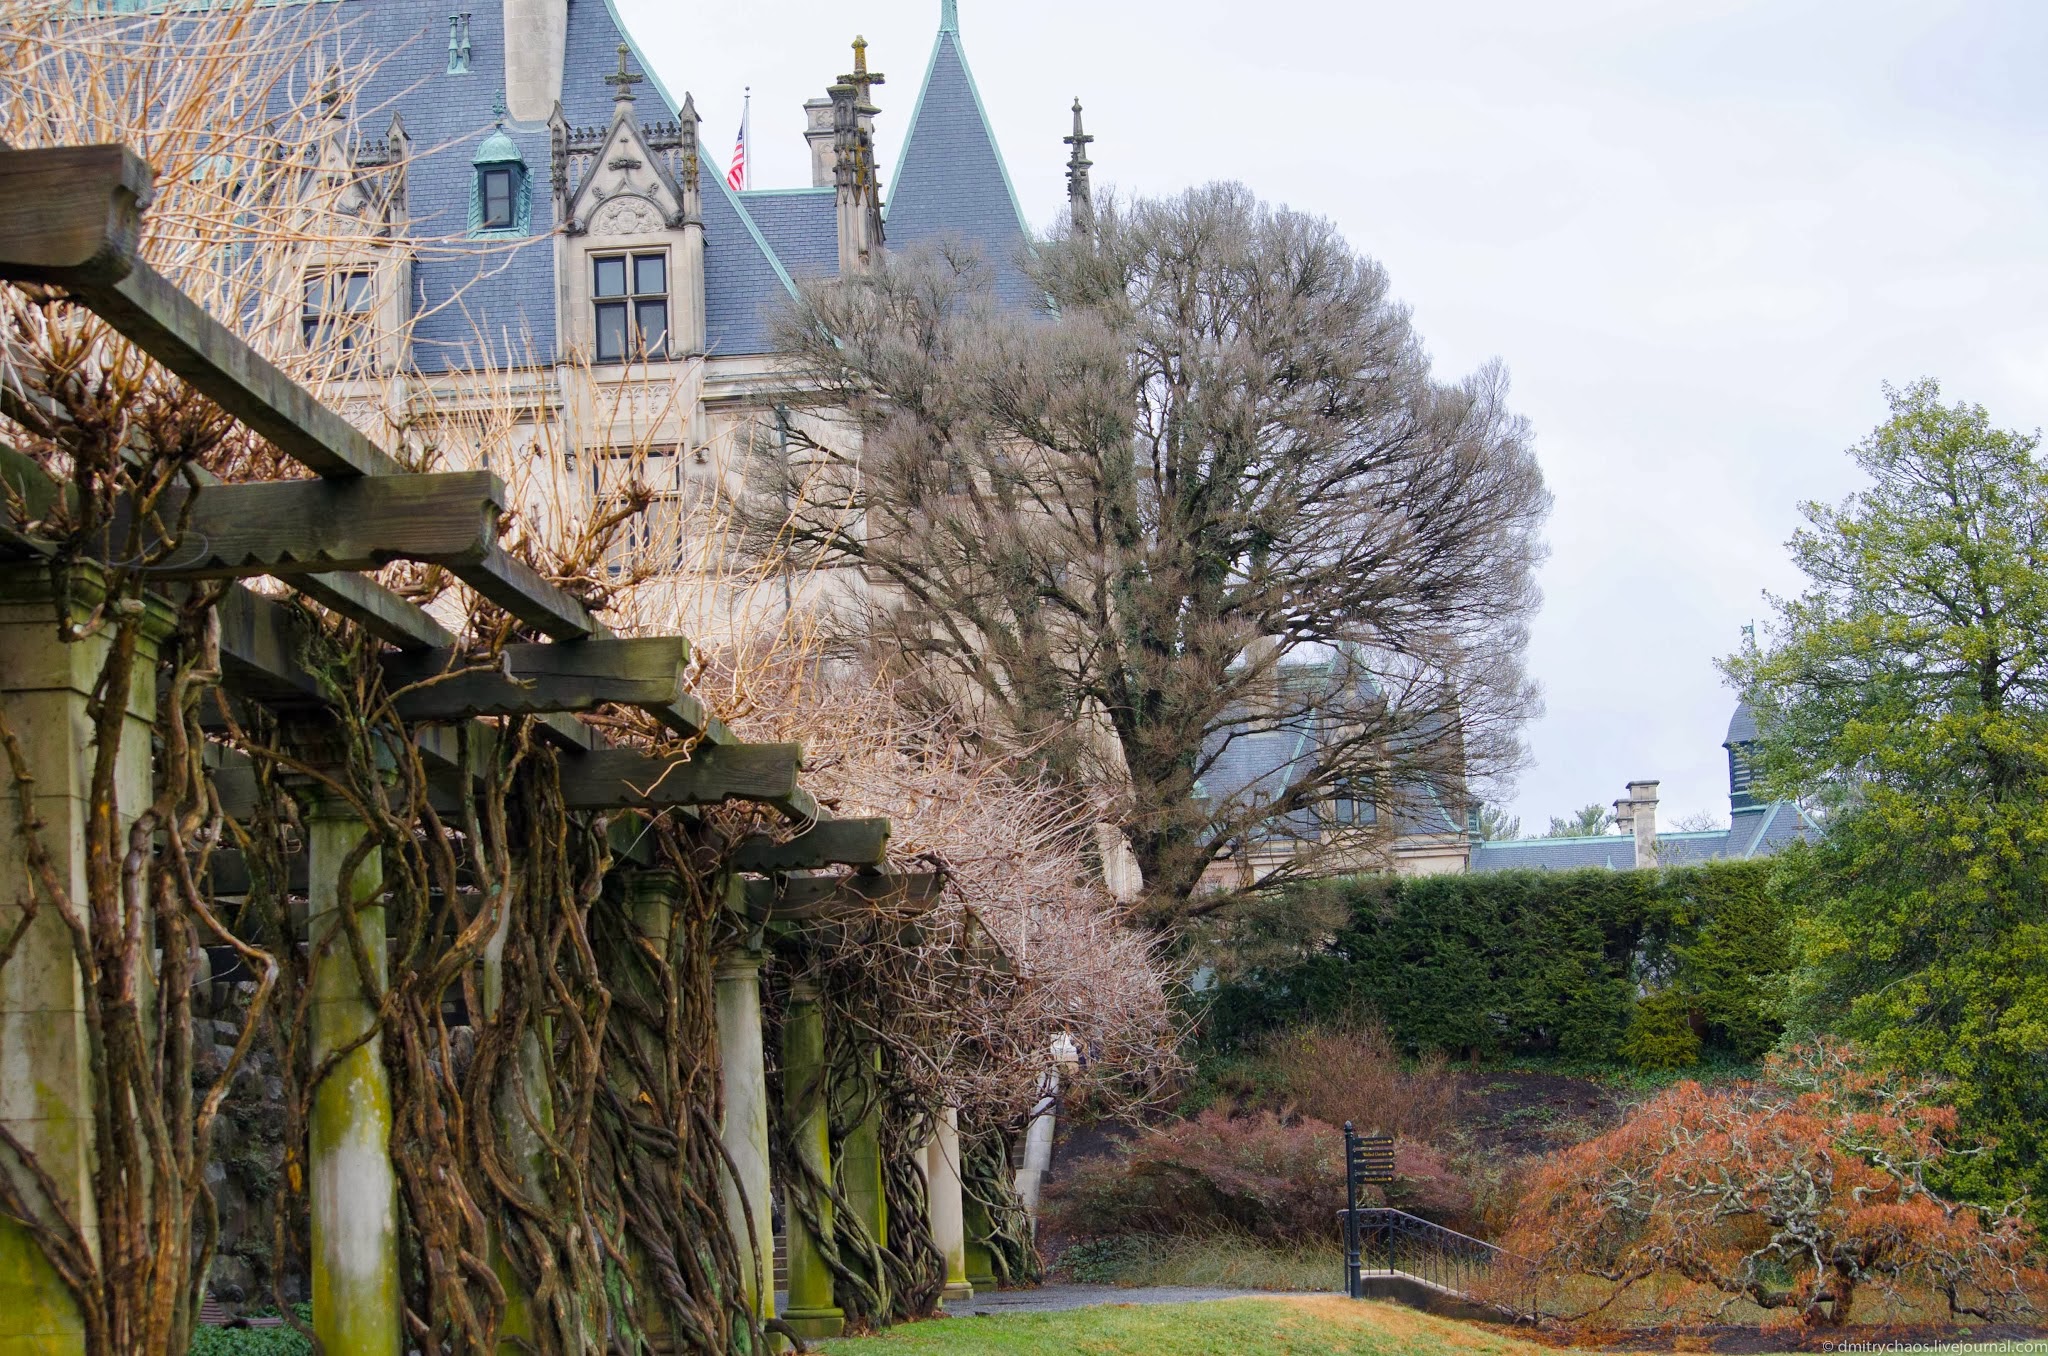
(622, 778)
(580, 676)
(173, 329)
(817, 899)
(518, 588)
(71, 214)
(828, 842)
(290, 527)
(376, 609)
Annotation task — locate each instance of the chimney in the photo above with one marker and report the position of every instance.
(818, 132)
(1640, 819)
(536, 45)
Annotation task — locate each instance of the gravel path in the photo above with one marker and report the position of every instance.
(1050, 1298)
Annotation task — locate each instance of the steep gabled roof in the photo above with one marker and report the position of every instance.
(952, 180)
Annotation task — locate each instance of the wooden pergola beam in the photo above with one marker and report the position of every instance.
(70, 216)
(533, 679)
(292, 527)
(609, 779)
(820, 899)
(828, 842)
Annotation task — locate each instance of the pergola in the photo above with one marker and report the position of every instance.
(70, 218)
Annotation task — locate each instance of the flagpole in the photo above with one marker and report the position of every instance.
(747, 135)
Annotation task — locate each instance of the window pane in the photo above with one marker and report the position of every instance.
(651, 318)
(611, 331)
(312, 306)
(357, 296)
(650, 275)
(497, 198)
(611, 277)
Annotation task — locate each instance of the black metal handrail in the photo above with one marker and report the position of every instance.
(1383, 1241)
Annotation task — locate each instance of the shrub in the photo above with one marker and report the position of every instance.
(1528, 961)
(1352, 1071)
(1261, 1175)
(1660, 1036)
(1275, 1179)
(1796, 1193)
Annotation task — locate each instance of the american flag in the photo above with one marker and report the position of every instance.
(736, 177)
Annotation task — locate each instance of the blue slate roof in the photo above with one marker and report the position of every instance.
(744, 283)
(1613, 852)
(952, 182)
(801, 225)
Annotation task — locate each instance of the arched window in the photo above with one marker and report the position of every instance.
(501, 203)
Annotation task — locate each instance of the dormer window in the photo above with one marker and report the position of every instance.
(496, 185)
(501, 202)
(630, 294)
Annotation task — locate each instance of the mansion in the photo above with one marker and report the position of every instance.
(569, 235)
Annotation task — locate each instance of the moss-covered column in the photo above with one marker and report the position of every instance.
(46, 1098)
(812, 1314)
(354, 1195)
(981, 1259)
(860, 1168)
(949, 1230)
(527, 1086)
(743, 1124)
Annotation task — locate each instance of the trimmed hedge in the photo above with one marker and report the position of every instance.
(1590, 965)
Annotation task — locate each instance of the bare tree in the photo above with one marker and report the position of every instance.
(1213, 496)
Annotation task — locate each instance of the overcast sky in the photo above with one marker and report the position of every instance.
(1700, 233)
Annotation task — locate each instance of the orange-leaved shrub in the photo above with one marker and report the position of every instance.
(1275, 1178)
(1798, 1192)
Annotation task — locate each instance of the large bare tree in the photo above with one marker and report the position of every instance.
(1208, 507)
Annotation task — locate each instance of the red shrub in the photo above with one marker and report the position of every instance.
(1273, 1178)
(1796, 1193)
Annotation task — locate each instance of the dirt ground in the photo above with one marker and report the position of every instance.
(1521, 1113)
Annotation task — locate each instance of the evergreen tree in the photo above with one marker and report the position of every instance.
(1906, 691)
(1590, 822)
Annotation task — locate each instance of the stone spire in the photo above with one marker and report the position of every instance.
(863, 80)
(1080, 192)
(854, 170)
(622, 86)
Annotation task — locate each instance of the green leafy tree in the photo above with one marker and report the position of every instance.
(1590, 822)
(1906, 690)
(1498, 826)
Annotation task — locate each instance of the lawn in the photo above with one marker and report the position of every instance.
(1282, 1327)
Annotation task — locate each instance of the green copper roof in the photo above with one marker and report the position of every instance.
(498, 149)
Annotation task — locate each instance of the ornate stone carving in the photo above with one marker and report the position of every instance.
(626, 216)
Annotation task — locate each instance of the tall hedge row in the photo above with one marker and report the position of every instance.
(1652, 966)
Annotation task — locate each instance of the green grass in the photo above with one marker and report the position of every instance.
(1223, 1262)
(1271, 1327)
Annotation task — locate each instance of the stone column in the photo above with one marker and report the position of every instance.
(743, 1123)
(812, 1314)
(46, 1088)
(949, 1224)
(516, 1329)
(354, 1189)
(981, 1258)
(861, 1170)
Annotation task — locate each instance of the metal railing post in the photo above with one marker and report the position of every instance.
(1354, 1285)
